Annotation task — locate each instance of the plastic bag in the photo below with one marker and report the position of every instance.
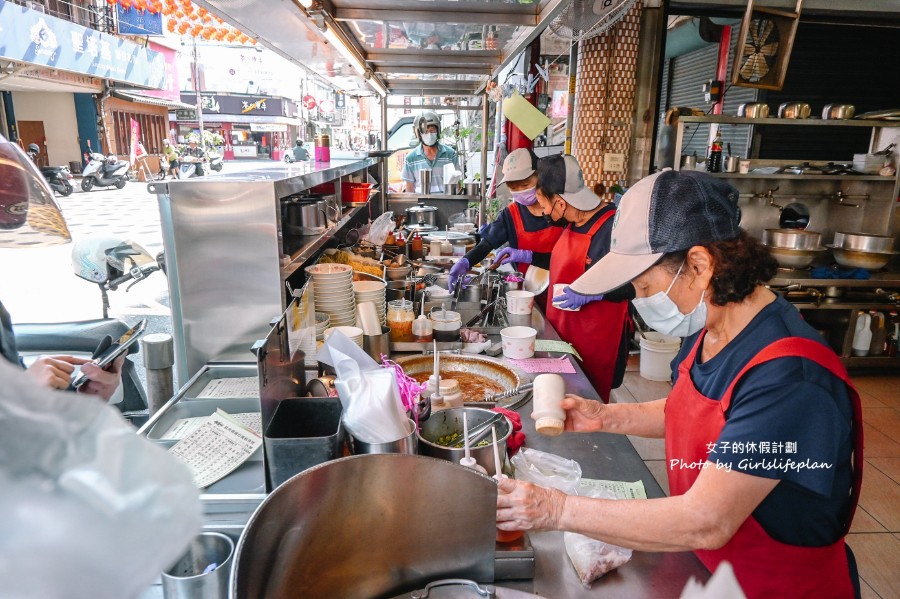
(592, 558)
(547, 470)
(370, 397)
(379, 229)
(88, 509)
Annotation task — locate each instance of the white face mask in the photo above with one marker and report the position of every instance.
(429, 139)
(662, 314)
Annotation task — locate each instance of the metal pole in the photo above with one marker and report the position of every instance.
(484, 159)
(197, 94)
(570, 115)
(384, 159)
(158, 350)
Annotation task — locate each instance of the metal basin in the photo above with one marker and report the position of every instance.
(860, 259)
(478, 373)
(447, 422)
(791, 258)
(795, 239)
(368, 526)
(864, 243)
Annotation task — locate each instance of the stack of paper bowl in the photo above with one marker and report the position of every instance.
(372, 291)
(333, 292)
(354, 334)
(322, 323)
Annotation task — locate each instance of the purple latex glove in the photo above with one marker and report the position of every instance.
(509, 254)
(571, 300)
(458, 270)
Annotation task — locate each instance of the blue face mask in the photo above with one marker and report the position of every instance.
(526, 197)
(662, 314)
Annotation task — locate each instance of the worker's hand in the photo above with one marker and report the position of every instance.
(54, 372)
(102, 383)
(571, 300)
(458, 270)
(511, 254)
(525, 506)
(583, 415)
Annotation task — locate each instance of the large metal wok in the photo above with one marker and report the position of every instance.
(492, 371)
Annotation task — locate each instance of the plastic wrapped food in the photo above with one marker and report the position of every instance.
(592, 558)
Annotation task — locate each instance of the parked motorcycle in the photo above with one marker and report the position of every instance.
(104, 171)
(190, 166)
(110, 262)
(215, 160)
(59, 178)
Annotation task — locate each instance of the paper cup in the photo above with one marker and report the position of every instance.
(369, 318)
(519, 302)
(744, 167)
(557, 291)
(518, 342)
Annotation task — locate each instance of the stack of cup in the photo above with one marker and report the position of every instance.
(373, 292)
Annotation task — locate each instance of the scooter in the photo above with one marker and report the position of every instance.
(189, 166)
(59, 178)
(215, 160)
(104, 171)
(110, 263)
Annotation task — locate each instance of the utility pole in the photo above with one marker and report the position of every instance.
(196, 77)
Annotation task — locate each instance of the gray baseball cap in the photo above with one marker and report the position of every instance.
(669, 211)
(518, 166)
(563, 175)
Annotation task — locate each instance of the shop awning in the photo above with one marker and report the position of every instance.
(141, 98)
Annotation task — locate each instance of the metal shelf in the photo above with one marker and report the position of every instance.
(738, 120)
(890, 280)
(316, 242)
(877, 178)
(433, 196)
(879, 361)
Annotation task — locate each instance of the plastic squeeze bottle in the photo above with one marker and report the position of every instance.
(548, 392)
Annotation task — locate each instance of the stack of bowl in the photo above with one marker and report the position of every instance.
(857, 250)
(333, 292)
(372, 291)
(354, 334)
(322, 323)
(793, 248)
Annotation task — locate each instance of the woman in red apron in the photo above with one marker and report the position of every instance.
(763, 428)
(521, 224)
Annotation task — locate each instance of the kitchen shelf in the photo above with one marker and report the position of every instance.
(315, 242)
(877, 178)
(433, 196)
(879, 361)
(739, 120)
(890, 280)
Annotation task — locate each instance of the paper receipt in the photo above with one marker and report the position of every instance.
(242, 386)
(216, 448)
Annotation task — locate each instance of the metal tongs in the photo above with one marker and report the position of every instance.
(479, 430)
(510, 393)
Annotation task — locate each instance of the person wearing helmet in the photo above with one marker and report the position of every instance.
(429, 155)
(30, 217)
(33, 152)
(299, 152)
(194, 153)
(521, 224)
(170, 155)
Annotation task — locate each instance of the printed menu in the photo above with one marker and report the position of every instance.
(182, 427)
(216, 448)
(235, 387)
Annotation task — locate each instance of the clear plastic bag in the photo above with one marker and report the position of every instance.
(547, 470)
(379, 229)
(592, 558)
(88, 509)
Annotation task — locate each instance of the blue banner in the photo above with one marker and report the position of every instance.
(32, 37)
(138, 22)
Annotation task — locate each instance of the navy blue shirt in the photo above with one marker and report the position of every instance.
(503, 230)
(785, 409)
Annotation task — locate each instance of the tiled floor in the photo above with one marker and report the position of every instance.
(875, 535)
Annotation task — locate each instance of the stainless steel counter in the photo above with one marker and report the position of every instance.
(889, 280)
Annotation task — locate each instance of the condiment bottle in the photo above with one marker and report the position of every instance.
(421, 329)
(862, 336)
(450, 393)
(416, 249)
(548, 392)
(400, 317)
(401, 243)
(390, 245)
(879, 333)
(446, 247)
(714, 160)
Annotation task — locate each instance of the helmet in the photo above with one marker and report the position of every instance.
(101, 258)
(193, 139)
(34, 149)
(111, 159)
(425, 120)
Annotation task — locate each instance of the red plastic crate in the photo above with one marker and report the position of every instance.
(355, 192)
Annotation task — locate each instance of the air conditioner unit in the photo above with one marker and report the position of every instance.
(35, 6)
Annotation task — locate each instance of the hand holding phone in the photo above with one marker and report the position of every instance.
(107, 352)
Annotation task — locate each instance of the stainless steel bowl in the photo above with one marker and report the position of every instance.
(794, 110)
(397, 274)
(447, 422)
(753, 110)
(795, 239)
(860, 259)
(794, 258)
(863, 242)
(838, 111)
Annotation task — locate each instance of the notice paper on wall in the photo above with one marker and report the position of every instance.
(235, 387)
(183, 427)
(216, 448)
(522, 113)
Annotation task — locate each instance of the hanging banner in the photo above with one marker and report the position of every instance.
(135, 141)
(138, 22)
(32, 37)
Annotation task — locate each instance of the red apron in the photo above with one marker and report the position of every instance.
(542, 241)
(764, 567)
(596, 329)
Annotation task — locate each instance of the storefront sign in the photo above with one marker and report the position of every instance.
(172, 90)
(138, 22)
(309, 102)
(32, 37)
(186, 114)
(248, 106)
(268, 127)
(326, 106)
(238, 104)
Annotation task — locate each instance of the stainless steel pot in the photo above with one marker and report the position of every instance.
(794, 258)
(305, 214)
(447, 422)
(753, 110)
(794, 110)
(421, 215)
(732, 163)
(838, 111)
(864, 243)
(861, 259)
(795, 239)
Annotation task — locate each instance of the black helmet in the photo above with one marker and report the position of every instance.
(34, 149)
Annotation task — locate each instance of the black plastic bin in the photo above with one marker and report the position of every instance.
(304, 432)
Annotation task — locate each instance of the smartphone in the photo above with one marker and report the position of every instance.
(120, 346)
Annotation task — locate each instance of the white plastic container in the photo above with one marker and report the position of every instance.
(548, 392)
(657, 353)
(862, 336)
